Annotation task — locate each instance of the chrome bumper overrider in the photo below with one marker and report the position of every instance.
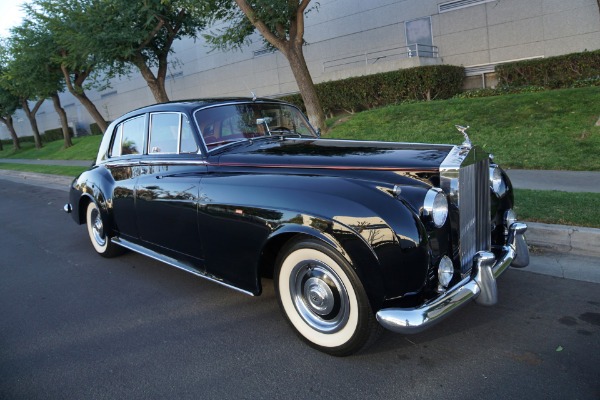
(480, 286)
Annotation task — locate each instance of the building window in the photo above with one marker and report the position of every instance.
(419, 39)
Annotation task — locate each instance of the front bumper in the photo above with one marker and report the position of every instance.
(480, 286)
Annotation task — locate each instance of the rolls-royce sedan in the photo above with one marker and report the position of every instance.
(356, 235)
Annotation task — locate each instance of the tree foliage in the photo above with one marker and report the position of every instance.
(31, 75)
(81, 69)
(116, 35)
(9, 103)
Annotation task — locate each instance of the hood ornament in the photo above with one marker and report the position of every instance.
(467, 143)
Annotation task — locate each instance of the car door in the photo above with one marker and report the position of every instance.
(167, 188)
(126, 149)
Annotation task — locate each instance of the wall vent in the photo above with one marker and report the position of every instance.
(454, 5)
(174, 76)
(108, 94)
(263, 52)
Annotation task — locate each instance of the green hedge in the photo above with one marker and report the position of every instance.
(48, 136)
(551, 72)
(499, 91)
(367, 92)
(54, 134)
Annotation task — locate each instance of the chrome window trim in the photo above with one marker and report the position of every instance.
(169, 161)
(119, 132)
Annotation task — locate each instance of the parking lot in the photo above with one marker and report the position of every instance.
(75, 325)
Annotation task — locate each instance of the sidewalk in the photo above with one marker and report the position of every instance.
(74, 163)
(565, 181)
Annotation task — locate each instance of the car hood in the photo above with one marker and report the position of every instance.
(336, 154)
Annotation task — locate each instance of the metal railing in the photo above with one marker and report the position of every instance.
(372, 57)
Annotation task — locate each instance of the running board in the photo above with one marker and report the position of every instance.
(173, 262)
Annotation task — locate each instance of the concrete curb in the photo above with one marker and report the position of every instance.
(33, 178)
(564, 238)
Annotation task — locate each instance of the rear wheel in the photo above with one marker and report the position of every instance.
(100, 240)
(323, 299)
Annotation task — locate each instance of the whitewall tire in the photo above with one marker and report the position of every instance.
(98, 235)
(323, 299)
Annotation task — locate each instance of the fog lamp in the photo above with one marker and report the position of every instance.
(445, 271)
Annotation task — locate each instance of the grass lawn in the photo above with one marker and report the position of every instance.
(84, 148)
(545, 130)
(44, 169)
(553, 207)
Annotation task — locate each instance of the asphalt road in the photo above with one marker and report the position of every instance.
(74, 325)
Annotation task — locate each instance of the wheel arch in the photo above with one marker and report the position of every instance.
(349, 245)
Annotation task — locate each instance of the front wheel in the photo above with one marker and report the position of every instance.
(100, 240)
(323, 299)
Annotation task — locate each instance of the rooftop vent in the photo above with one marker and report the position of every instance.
(454, 5)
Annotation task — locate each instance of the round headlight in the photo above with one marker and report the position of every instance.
(496, 182)
(445, 271)
(435, 207)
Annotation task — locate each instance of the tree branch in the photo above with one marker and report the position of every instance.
(157, 28)
(37, 106)
(281, 29)
(300, 19)
(261, 26)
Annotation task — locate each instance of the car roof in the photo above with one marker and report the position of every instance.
(193, 104)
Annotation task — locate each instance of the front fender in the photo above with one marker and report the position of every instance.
(381, 236)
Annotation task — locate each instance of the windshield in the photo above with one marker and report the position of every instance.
(234, 122)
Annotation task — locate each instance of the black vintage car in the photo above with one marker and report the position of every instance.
(356, 235)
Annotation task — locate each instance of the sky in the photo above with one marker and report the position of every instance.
(11, 15)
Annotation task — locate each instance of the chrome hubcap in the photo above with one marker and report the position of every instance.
(319, 296)
(98, 228)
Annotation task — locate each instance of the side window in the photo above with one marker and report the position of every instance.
(133, 136)
(115, 150)
(164, 133)
(188, 142)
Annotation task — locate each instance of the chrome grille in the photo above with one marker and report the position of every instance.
(474, 209)
(465, 179)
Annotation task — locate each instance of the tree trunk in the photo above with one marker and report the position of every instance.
(156, 84)
(32, 121)
(91, 108)
(63, 119)
(8, 121)
(76, 90)
(315, 114)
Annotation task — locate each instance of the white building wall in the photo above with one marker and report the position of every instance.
(488, 33)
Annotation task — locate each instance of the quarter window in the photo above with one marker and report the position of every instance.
(188, 143)
(133, 136)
